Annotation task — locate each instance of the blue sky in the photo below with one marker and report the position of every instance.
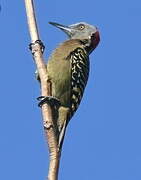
(103, 140)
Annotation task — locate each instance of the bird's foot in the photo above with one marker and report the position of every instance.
(51, 100)
(32, 45)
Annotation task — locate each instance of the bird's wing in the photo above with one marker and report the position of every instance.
(79, 75)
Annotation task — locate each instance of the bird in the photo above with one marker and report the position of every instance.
(68, 71)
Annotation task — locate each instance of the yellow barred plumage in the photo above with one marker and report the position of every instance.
(79, 73)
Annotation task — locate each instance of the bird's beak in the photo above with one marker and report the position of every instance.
(68, 30)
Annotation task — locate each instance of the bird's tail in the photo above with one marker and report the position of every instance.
(63, 118)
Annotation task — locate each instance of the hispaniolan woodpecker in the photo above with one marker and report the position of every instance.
(68, 70)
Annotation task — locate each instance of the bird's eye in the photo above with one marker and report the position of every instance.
(81, 26)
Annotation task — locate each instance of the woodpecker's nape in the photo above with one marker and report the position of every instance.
(68, 71)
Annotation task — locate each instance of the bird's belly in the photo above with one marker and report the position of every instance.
(60, 77)
(62, 92)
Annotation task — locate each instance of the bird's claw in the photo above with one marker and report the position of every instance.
(52, 101)
(31, 45)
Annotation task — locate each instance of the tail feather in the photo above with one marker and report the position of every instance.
(61, 136)
(63, 118)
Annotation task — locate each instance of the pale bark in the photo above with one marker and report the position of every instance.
(45, 91)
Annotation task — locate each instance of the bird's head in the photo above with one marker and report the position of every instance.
(82, 31)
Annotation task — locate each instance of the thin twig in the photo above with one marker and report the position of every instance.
(45, 91)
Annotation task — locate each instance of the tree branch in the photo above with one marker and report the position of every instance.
(45, 91)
